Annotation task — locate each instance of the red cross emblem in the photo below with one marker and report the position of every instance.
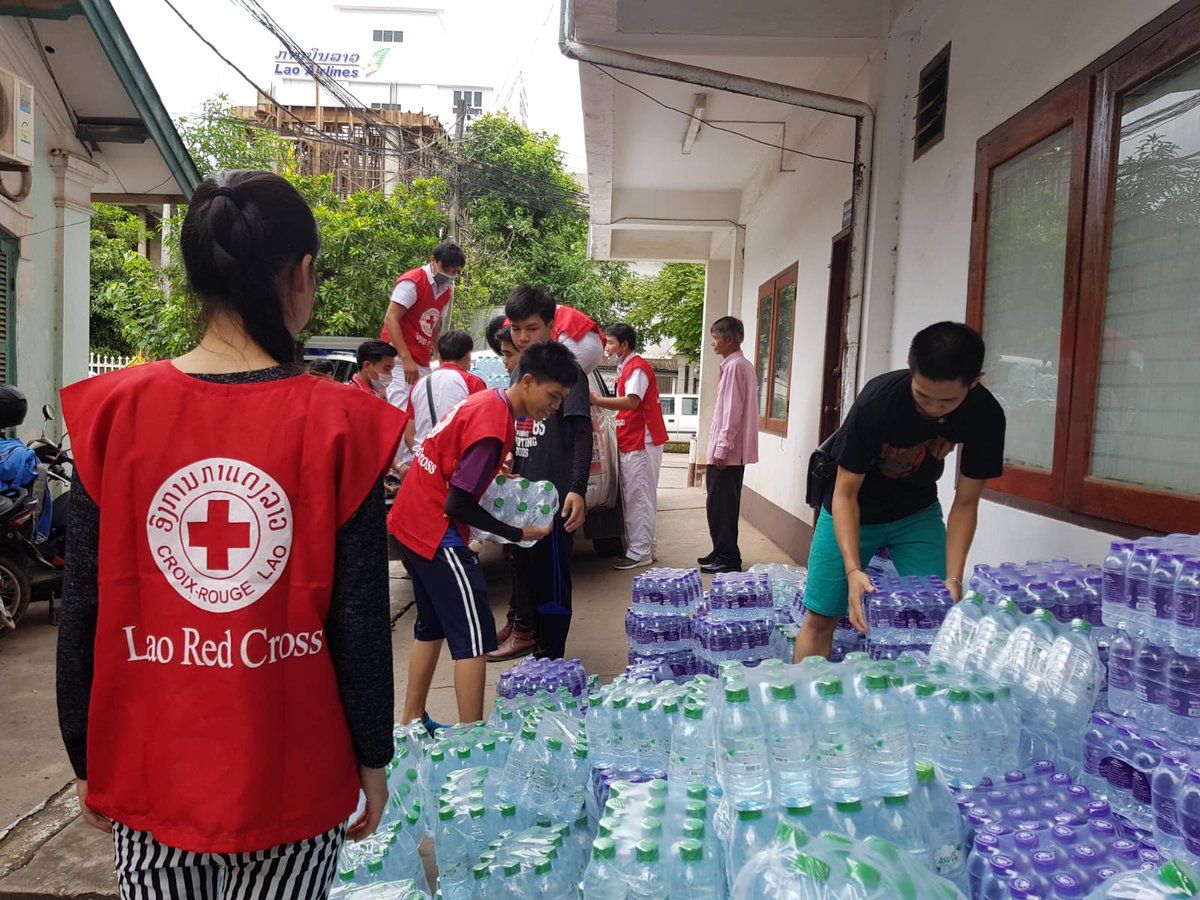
(218, 535)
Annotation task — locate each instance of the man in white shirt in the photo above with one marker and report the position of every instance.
(445, 387)
(419, 305)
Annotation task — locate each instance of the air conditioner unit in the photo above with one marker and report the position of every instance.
(16, 120)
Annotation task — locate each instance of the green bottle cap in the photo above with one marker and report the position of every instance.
(1083, 626)
(498, 502)
(480, 872)
(375, 866)
(926, 689)
(691, 851)
(508, 810)
(647, 851)
(604, 848)
(898, 800)
(652, 827)
(849, 806)
(522, 506)
(476, 812)
(554, 744)
(694, 829)
(1043, 615)
(959, 695)
(501, 479)
(815, 869)
(783, 691)
(513, 868)
(446, 814)
(799, 812)
(346, 876)
(1181, 877)
(737, 693)
(829, 687)
(696, 791)
(924, 772)
(750, 815)
(877, 681)
(868, 876)
(607, 825)
(543, 867)
(525, 484)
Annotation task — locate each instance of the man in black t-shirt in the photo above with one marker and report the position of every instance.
(890, 452)
(557, 449)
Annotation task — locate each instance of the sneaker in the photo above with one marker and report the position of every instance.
(627, 563)
(517, 644)
(430, 725)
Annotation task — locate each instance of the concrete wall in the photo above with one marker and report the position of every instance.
(51, 309)
(1004, 57)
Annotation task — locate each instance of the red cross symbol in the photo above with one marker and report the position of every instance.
(218, 535)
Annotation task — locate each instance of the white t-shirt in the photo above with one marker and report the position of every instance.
(405, 292)
(588, 350)
(448, 387)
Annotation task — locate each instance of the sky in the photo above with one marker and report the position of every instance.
(495, 39)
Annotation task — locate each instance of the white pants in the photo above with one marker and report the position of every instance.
(639, 493)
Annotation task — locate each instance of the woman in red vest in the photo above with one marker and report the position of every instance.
(224, 666)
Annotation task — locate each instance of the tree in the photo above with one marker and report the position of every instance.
(670, 304)
(218, 141)
(527, 224)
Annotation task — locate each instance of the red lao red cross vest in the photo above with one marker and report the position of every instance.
(422, 318)
(418, 517)
(633, 423)
(215, 719)
(573, 323)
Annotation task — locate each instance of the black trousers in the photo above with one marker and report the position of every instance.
(544, 577)
(724, 506)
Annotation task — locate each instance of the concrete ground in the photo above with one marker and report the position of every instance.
(47, 851)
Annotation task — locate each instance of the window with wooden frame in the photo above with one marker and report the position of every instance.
(773, 353)
(1085, 256)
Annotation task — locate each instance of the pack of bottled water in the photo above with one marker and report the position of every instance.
(1070, 590)
(405, 889)
(630, 723)
(518, 502)
(562, 682)
(787, 583)
(547, 768)
(1173, 881)
(731, 640)
(677, 666)
(1072, 858)
(739, 596)
(659, 624)
(544, 860)
(904, 613)
(845, 638)
(1053, 669)
(387, 864)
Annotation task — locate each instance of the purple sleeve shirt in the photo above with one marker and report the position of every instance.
(477, 465)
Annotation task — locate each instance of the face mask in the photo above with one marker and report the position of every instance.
(382, 380)
(441, 279)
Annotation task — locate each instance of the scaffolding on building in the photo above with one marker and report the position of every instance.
(393, 148)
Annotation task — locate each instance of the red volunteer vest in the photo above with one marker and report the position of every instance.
(215, 720)
(420, 321)
(573, 323)
(418, 517)
(632, 423)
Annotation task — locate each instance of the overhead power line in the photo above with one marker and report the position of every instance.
(690, 117)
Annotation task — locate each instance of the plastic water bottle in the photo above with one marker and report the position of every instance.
(646, 878)
(1161, 615)
(1113, 603)
(753, 832)
(1166, 783)
(742, 765)
(1150, 684)
(985, 654)
(1146, 757)
(840, 756)
(1072, 602)
(1137, 589)
(602, 880)
(943, 822)
(1026, 656)
(925, 710)
(958, 628)
(1122, 656)
(790, 739)
(695, 874)
(1174, 881)
(1120, 768)
(886, 738)
(1096, 739)
(1183, 699)
(1070, 680)
(1185, 631)
(961, 758)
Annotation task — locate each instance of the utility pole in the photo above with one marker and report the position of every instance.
(460, 117)
(320, 127)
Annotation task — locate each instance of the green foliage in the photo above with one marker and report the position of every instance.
(527, 225)
(217, 141)
(670, 304)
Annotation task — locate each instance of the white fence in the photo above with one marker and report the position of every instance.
(99, 363)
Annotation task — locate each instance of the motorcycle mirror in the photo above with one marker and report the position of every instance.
(48, 413)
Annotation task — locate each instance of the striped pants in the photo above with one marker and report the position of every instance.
(148, 870)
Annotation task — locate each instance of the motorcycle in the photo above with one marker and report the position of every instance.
(28, 561)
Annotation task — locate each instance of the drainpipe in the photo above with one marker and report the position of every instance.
(864, 132)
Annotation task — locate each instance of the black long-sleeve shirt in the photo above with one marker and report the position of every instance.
(357, 627)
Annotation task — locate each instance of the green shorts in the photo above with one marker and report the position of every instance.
(916, 543)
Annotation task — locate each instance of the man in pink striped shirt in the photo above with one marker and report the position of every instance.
(732, 445)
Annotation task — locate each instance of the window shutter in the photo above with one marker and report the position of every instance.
(8, 280)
